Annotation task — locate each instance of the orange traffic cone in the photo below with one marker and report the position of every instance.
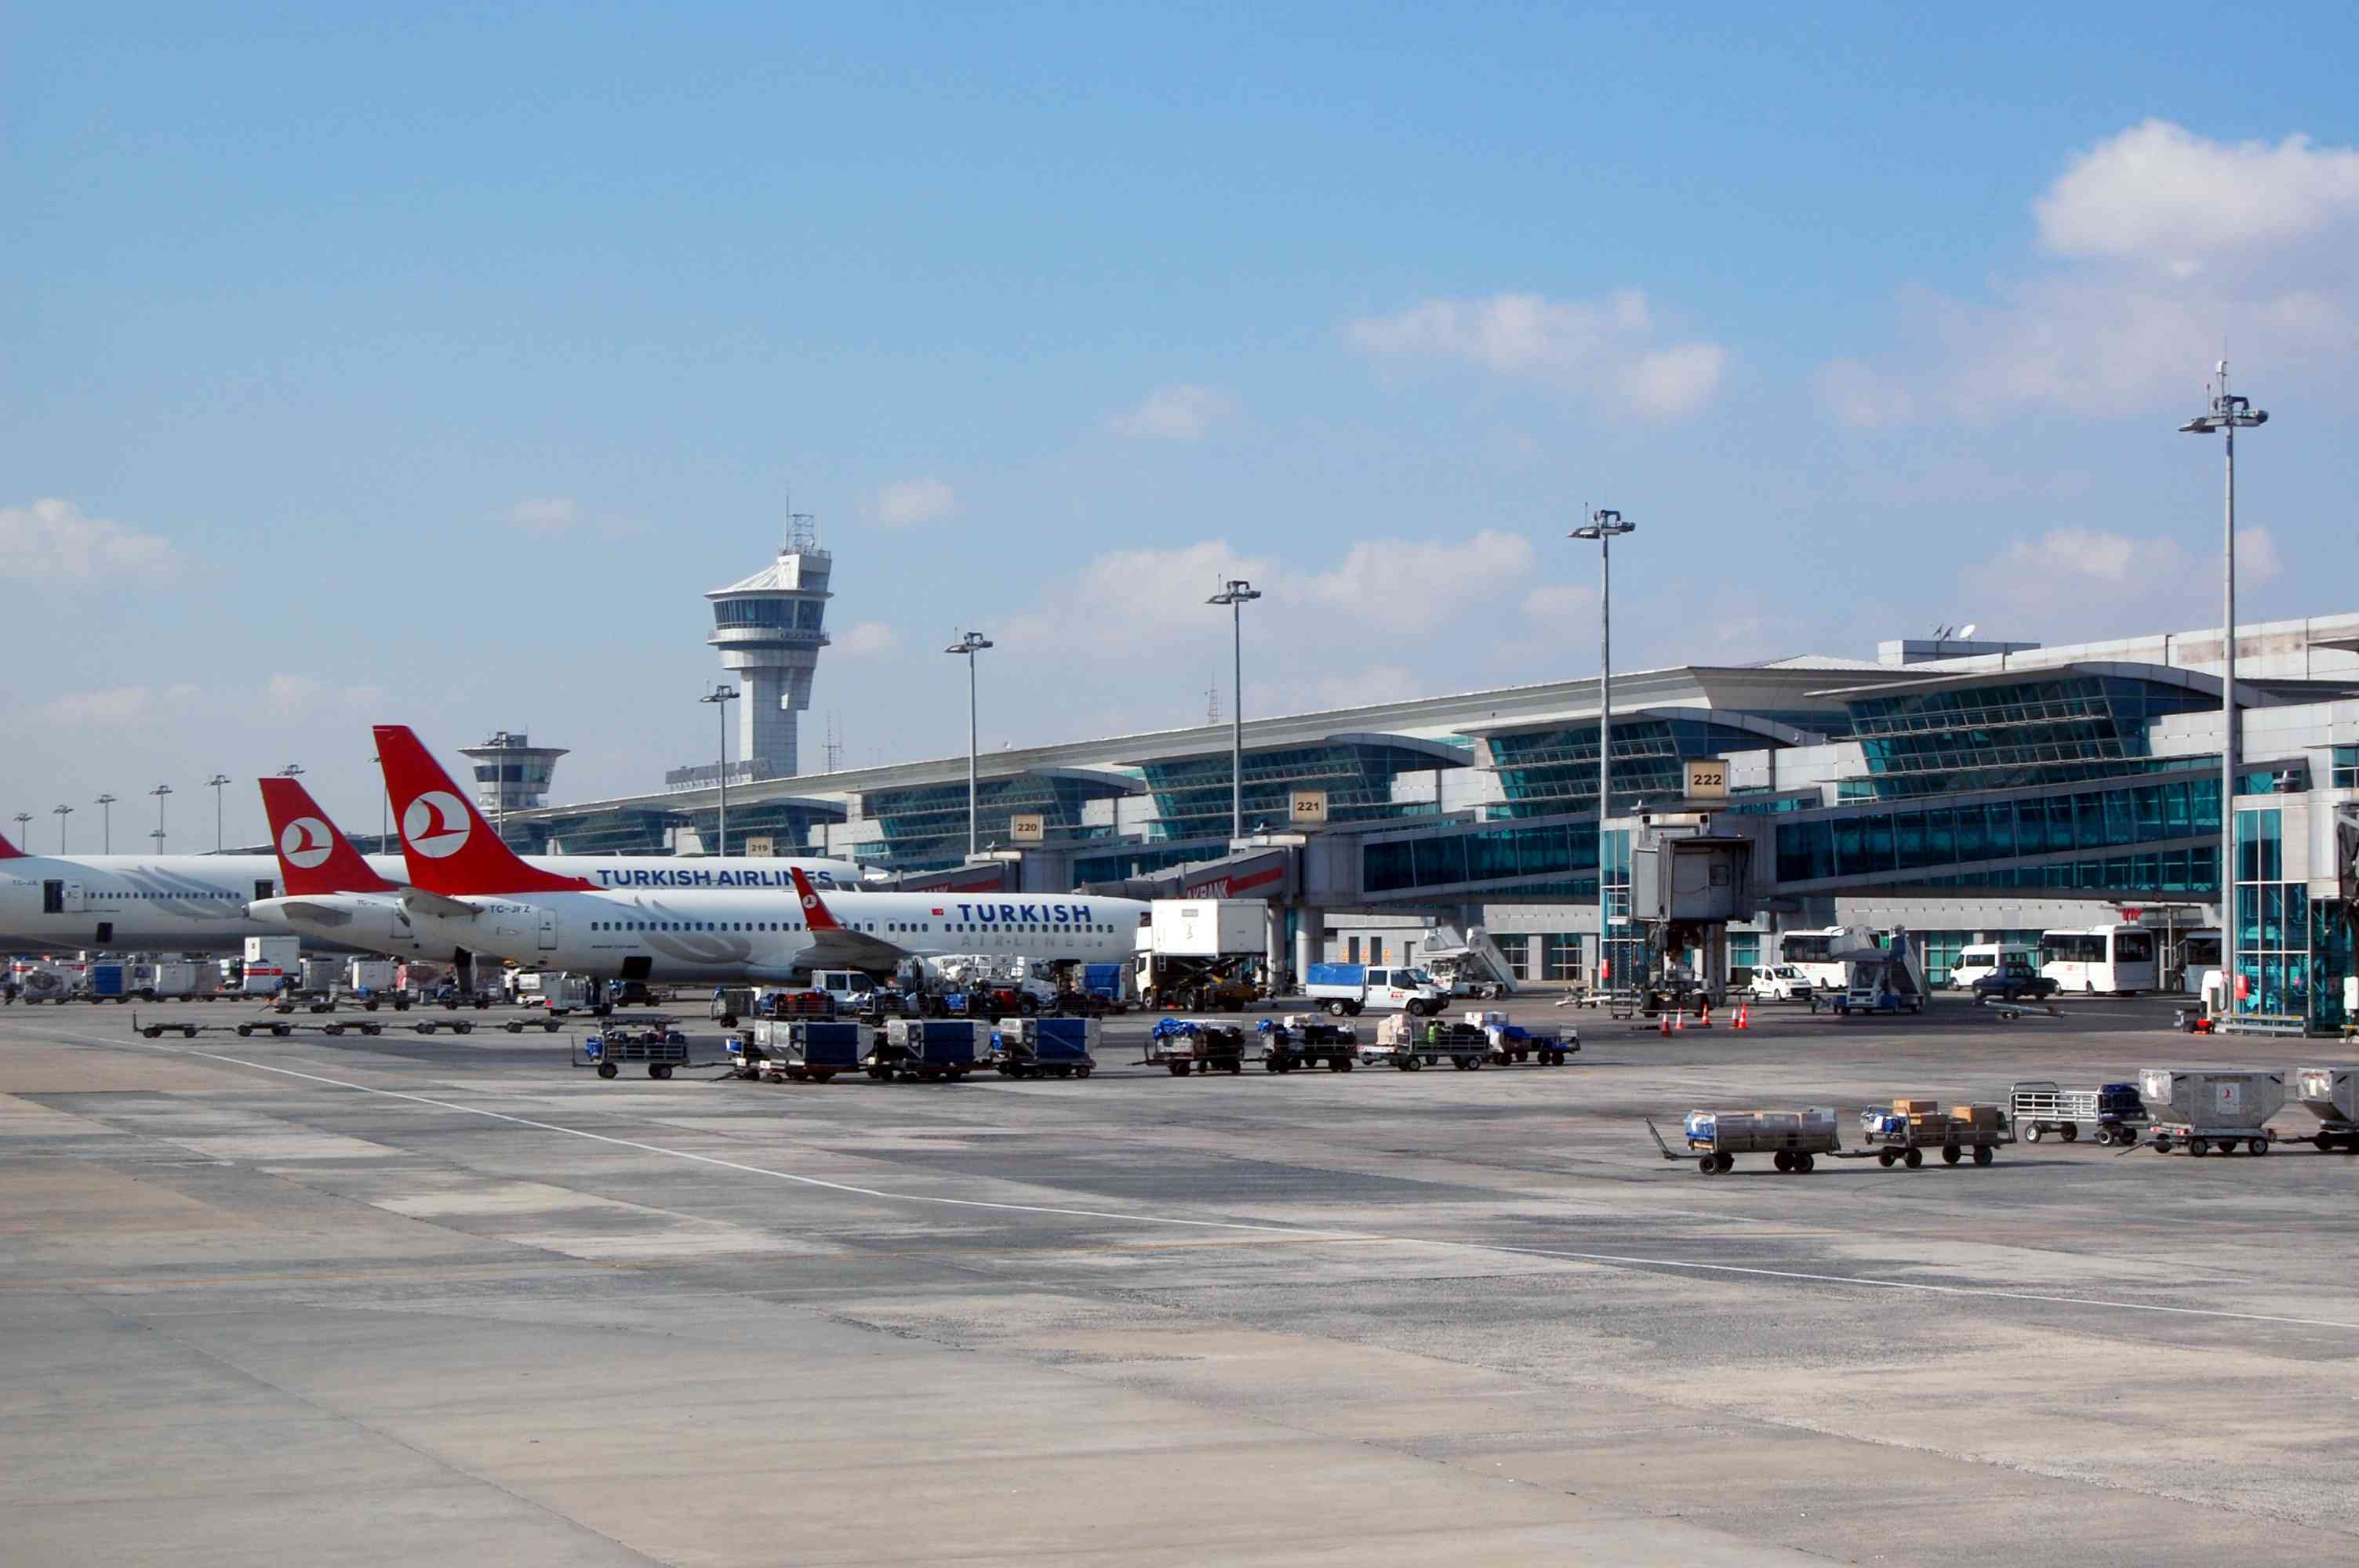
(1742, 1020)
(1667, 1023)
(1704, 1014)
(1678, 1019)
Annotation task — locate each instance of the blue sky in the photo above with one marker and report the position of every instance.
(430, 366)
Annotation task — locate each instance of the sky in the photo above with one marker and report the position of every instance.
(428, 363)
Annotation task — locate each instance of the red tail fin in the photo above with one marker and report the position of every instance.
(9, 852)
(449, 847)
(816, 913)
(312, 856)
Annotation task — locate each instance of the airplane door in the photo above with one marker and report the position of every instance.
(549, 931)
(73, 898)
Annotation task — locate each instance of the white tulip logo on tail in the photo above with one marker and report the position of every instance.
(306, 843)
(811, 900)
(436, 824)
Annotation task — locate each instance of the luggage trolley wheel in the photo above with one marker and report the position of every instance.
(1081, 1072)
(2161, 1144)
(2033, 1132)
(156, 1031)
(658, 1070)
(1178, 1069)
(1726, 1162)
(1984, 1153)
(2070, 1131)
(1707, 1164)
(607, 1069)
(2258, 1146)
(1888, 1158)
(1804, 1164)
(1912, 1158)
(1782, 1160)
(281, 1029)
(1952, 1153)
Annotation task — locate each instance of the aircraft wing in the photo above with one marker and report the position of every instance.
(423, 902)
(319, 913)
(851, 950)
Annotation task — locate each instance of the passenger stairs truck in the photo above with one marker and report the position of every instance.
(1883, 977)
(1468, 966)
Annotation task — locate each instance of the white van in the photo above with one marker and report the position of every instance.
(1779, 982)
(1988, 958)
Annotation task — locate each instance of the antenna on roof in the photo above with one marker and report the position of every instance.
(803, 529)
(1968, 634)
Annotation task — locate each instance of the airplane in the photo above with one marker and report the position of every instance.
(315, 859)
(469, 894)
(197, 903)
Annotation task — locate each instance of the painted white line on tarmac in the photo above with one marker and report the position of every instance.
(1615, 1260)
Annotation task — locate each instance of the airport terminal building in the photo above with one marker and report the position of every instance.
(1967, 791)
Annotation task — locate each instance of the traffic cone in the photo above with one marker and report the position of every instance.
(1667, 1023)
(1678, 1019)
(1741, 1020)
(1703, 1015)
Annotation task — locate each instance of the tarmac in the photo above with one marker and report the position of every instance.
(308, 1299)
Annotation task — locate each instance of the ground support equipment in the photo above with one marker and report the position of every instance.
(1184, 1045)
(1792, 1139)
(1900, 1137)
(2037, 1108)
(1301, 1040)
(1042, 1047)
(932, 1049)
(801, 1050)
(188, 1029)
(609, 1051)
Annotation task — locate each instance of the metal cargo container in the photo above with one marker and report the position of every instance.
(2331, 1094)
(1209, 927)
(2224, 1100)
(932, 1047)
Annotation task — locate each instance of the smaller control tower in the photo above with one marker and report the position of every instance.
(768, 629)
(511, 773)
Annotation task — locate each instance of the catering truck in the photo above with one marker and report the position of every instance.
(1344, 990)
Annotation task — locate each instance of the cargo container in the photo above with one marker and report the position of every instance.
(2332, 1094)
(269, 962)
(1045, 1047)
(2211, 1108)
(1208, 927)
(928, 1048)
(805, 1050)
(106, 979)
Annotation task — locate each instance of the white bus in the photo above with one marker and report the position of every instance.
(2116, 959)
(1807, 951)
(1989, 958)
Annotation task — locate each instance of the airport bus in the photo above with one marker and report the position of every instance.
(2116, 959)
(1807, 951)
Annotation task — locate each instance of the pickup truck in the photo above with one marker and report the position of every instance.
(1779, 982)
(2014, 982)
(1344, 989)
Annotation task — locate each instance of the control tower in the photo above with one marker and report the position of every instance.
(511, 773)
(768, 630)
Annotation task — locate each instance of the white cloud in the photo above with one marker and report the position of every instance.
(869, 637)
(111, 707)
(2168, 245)
(1354, 689)
(1181, 412)
(1413, 585)
(1133, 600)
(365, 697)
(1678, 381)
(1553, 601)
(288, 695)
(1567, 342)
(2158, 192)
(2097, 575)
(51, 539)
(906, 501)
(546, 515)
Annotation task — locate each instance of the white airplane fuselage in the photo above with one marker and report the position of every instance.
(750, 937)
(198, 904)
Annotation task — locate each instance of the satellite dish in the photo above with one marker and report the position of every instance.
(1968, 634)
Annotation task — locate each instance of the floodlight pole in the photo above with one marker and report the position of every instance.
(2228, 412)
(217, 780)
(1601, 526)
(159, 792)
(1236, 596)
(720, 697)
(970, 643)
(105, 803)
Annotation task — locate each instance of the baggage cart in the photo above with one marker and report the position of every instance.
(1060, 1047)
(1184, 1045)
(610, 1050)
(2037, 1106)
(1306, 1040)
(2208, 1108)
(1792, 1139)
(803, 1050)
(188, 1029)
(1902, 1136)
(934, 1049)
(1433, 1042)
(2331, 1094)
(1548, 1043)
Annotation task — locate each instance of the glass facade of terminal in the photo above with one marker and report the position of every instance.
(925, 826)
(2064, 729)
(2291, 951)
(1543, 773)
(1192, 795)
(1936, 839)
(788, 823)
